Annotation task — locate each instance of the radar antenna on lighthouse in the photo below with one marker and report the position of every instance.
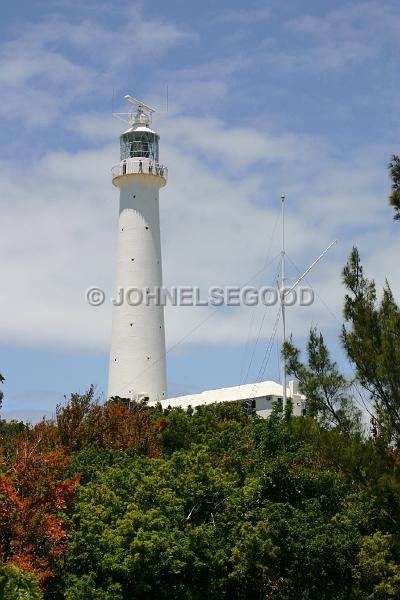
(142, 115)
(138, 103)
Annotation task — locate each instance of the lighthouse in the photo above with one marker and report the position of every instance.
(137, 368)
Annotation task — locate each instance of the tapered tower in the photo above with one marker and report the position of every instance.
(137, 359)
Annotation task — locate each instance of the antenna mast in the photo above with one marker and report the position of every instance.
(283, 312)
(284, 292)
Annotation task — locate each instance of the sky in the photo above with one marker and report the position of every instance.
(264, 98)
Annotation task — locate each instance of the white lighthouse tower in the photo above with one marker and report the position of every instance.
(137, 359)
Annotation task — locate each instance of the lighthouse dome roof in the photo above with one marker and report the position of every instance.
(140, 128)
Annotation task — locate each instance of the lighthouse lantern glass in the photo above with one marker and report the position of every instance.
(141, 144)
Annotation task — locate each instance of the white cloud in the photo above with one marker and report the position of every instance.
(49, 65)
(218, 211)
(53, 243)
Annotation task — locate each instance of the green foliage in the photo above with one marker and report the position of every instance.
(394, 198)
(377, 569)
(235, 507)
(18, 585)
(231, 507)
(90, 461)
(179, 432)
(372, 343)
(324, 386)
(10, 431)
(137, 530)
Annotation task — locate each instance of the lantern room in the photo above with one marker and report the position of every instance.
(139, 142)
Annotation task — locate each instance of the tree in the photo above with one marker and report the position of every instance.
(146, 528)
(34, 493)
(18, 585)
(84, 422)
(394, 198)
(1, 393)
(377, 570)
(372, 342)
(325, 388)
(240, 508)
(231, 506)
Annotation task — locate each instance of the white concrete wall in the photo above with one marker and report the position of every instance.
(137, 357)
(264, 393)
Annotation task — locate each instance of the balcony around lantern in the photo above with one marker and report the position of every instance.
(139, 166)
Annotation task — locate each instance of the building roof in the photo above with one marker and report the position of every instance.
(229, 394)
(140, 128)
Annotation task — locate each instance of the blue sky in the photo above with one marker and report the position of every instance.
(300, 97)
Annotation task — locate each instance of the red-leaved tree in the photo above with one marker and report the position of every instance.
(34, 494)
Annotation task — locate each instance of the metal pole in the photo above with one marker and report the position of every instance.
(310, 267)
(282, 297)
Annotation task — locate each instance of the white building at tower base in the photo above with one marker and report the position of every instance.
(259, 396)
